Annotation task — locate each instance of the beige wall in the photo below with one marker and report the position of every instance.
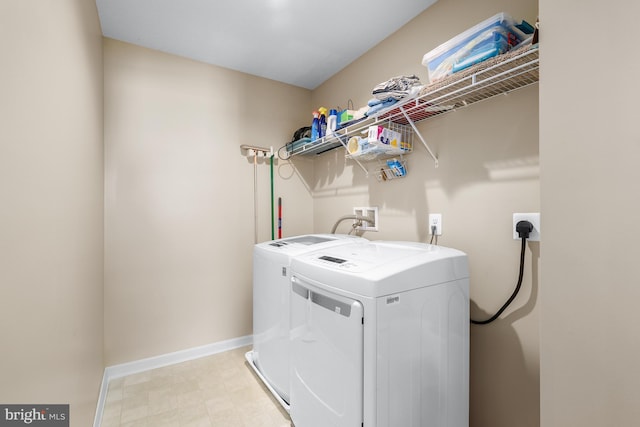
(489, 169)
(51, 181)
(590, 146)
(179, 217)
(162, 244)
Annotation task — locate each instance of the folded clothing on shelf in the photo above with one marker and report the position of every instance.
(396, 87)
(387, 93)
(376, 105)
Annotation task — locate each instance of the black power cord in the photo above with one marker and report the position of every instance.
(433, 234)
(523, 228)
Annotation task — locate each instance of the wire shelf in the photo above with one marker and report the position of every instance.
(502, 74)
(499, 75)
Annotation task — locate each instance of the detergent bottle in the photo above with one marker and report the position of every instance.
(332, 122)
(315, 126)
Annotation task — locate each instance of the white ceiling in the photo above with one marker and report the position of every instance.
(300, 42)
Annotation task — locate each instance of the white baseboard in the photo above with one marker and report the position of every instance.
(102, 397)
(137, 366)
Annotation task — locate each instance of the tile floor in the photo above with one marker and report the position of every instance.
(214, 391)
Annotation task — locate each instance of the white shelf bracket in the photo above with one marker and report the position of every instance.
(337, 135)
(417, 132)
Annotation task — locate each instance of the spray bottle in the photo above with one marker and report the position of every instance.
(323, 121)
(315, 126)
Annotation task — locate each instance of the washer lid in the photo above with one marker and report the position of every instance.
(305, 243)
(310, 239)
(379, 268)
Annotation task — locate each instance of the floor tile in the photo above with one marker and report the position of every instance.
(214, 391)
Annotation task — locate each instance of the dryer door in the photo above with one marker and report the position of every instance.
(326, 357)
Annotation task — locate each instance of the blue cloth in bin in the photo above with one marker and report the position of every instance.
(491, 37)
(491, 44)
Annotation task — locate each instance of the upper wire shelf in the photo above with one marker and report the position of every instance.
(499, 75)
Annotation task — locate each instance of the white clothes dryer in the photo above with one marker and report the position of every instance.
(380, 336)
(271, 282)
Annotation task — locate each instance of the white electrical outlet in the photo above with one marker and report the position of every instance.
(533, 218)
(370, 212)
(435, 220)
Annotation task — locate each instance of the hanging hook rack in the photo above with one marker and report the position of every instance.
(257, 149)
(253, 150)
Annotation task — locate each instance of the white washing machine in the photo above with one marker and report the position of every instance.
(271, 283)
(380, 336)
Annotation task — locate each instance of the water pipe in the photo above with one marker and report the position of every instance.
(358, 218)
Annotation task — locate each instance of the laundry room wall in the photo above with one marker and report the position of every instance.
(589, 155)
(179, 205)
(51, 193)
(489, 169)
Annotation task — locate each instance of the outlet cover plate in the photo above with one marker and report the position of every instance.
(371, 212)
(435, 219)
(533, 218)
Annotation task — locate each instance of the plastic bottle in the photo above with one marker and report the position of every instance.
(315, 126)
(323, 121)
(332, 122)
